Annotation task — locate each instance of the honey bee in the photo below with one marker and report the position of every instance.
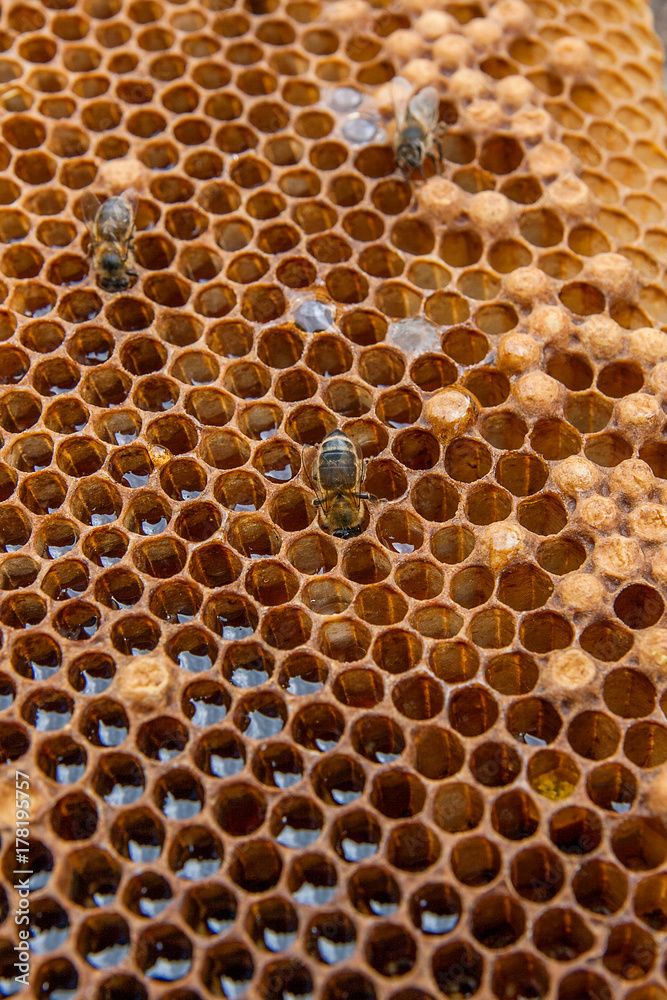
(337, 475)
(111, 227)
(418, 129)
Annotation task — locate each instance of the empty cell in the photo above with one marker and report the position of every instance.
(416, 450)
(434, 498)
(390, 950)
(515, 815)
(639, 606)
(601, 887)
(338, 780)
(555, 440)
(524, 588)
(606, 640)
(593, 735)
(420, 580)
(629, 693)
(620, 378)
(562, 935)
(612, 787)
(472, 586)
(467, 460)
(488, 504)
(380, 605)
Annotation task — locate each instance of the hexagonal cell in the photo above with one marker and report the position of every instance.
(74, 817)
(312, 879)
(19, 411)
(355, 835)
(286, 628)
(562, 934)
(602, 888)
(15, 742)
(413, 847)
(118, 779)
(553, 774)
(378, 739)
(515, 815)
(15, 529)
(296, 822)
(359, 688)
(302, 674)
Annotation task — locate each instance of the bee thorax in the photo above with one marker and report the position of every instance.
(412, 134)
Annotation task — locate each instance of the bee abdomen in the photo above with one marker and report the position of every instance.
(338, 461)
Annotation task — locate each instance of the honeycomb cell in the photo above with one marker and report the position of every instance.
(418, 697)
(467, 460)
(500, 924)
(562, 935)
(332, 938)
(296, 822)
(192, 649)
(600, 887)
(119, 779)
(260, 421)
(515, 815)
(74, 817)
(457, 968)
(15, 742)
(412, 847)
(312, 879)
(475, 861)
(439, 754)
(390, 950)
(607, 640)
(471, 586)
(472, 711)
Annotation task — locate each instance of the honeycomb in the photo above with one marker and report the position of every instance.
(427, 762)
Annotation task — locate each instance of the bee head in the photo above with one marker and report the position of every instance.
(347, 532)
(410, 155)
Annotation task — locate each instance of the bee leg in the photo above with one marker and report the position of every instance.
(435, 160)
(310, 482)
(439, 135)
(367, 496)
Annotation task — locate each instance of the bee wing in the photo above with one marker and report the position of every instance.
(309, 467)
(425, 108)
(401, 92)
(131, 196)
(309, 457)
(90, 206)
